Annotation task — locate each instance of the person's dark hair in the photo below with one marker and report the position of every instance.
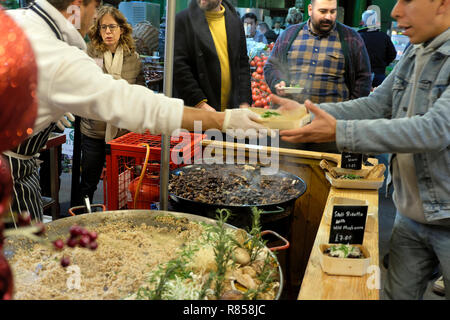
(313, 1)
(294, 16)
(250, 15)
(62, 5)
(264, 26)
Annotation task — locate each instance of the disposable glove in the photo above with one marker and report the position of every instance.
(64, 121)
(244, 119)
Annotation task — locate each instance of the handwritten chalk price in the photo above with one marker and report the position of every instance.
(348, 224)
(351, 160)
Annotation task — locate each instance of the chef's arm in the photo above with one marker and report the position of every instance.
(84, 90)
(208, 119)
(231, 119)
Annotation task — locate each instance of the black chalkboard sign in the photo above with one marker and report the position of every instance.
(351, 160)
(348, 224)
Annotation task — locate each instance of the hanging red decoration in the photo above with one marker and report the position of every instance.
(5, 186)
(18, 109)
(6, 280)
(18, 84)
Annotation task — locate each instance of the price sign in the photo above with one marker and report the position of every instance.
(348, 224)
(351, 160)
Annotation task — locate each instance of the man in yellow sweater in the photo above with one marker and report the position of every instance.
(211, 68)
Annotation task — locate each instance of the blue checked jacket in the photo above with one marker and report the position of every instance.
(357, 63)
(388, 129)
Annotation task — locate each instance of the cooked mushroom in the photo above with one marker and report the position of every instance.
(244, 279)
(250, 271)
(240, 236)
(232, 185)
(258, 266)
(241, 256)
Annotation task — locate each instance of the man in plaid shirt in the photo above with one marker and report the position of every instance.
(326, 58)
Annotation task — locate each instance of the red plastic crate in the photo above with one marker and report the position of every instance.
(125, 155)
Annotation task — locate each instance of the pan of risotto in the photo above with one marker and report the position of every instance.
(143, 254)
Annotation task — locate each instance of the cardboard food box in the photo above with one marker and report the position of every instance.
(344, 266)
(354, 184)
(287, 120)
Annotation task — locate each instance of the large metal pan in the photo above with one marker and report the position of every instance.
(60, 228)
(271, 212)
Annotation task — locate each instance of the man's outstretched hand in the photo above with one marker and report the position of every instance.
(321, 129)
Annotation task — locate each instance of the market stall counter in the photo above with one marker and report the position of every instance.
(310, 224)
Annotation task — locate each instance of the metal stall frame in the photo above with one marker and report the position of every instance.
(167, 89)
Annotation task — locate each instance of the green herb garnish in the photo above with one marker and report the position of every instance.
(176, 279)
(269, 114)
(351, 177)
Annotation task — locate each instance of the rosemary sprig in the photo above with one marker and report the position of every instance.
(223, 243)
(267, 277)
(206, 286)
(222, 249)
(255, 243)
(169, 273)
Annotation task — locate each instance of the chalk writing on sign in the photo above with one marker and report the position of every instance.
(348, 224)
(351, 160)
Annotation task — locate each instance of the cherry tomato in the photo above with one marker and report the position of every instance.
(260, 70)
(253, 63)
(263, 87)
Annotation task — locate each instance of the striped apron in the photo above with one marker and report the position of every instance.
(24, 171)
(23, 160)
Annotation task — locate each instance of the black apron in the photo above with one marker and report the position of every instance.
(26, 195)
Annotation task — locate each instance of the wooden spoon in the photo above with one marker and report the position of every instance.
(376, 172)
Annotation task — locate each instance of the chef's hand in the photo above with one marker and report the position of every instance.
(285, 104)
(244, 119)
(205, 106)
(278, 87)
(244, 105)
(64, 121)
(321, 129)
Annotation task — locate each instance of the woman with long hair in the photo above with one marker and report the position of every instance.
(112, 47)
